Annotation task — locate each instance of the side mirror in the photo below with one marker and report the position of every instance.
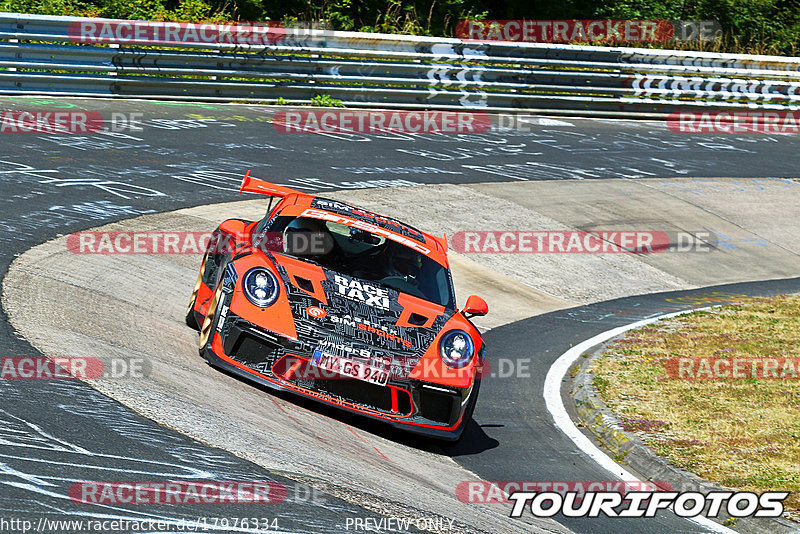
(476, 306)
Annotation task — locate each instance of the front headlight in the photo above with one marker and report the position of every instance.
(260, 287)
(456, 349)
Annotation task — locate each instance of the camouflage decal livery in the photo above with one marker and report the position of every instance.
(360, 325)
(359, 344)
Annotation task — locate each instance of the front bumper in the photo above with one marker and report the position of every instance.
(261, 356)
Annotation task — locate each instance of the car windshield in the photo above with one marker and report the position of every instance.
(364, 255)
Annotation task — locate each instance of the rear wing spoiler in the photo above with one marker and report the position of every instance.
(254, 185)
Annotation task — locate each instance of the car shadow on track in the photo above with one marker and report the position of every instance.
(474, 440)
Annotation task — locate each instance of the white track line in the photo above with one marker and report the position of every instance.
(552, 399)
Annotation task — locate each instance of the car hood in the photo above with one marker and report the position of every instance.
(358, 319)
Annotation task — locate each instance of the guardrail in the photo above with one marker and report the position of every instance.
(41, 55)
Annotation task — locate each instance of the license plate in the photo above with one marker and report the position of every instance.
(349, 368)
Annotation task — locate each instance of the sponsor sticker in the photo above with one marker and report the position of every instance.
(361, 291)
(368, 216)
(316, 312)
(367, 227)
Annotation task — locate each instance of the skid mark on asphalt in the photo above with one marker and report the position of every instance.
(373, 446)
(348, 445)
(365, 450)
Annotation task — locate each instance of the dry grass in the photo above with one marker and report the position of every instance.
(741, 433)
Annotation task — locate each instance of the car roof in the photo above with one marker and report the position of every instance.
(299, 204)
(426, 244)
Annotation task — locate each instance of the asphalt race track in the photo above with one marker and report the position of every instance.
(500, 446)
(194, 154)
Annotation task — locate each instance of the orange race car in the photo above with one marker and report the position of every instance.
(344, 306)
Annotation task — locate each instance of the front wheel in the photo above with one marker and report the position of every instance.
(206, 331)
(191, 320)
(473, 400)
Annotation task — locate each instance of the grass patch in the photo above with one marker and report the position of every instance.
(742, 433)
(326, 101)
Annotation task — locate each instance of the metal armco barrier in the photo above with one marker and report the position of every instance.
(40, 55)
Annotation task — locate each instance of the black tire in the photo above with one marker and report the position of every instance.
(191, 320)
(473, 400)
(210, 320)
